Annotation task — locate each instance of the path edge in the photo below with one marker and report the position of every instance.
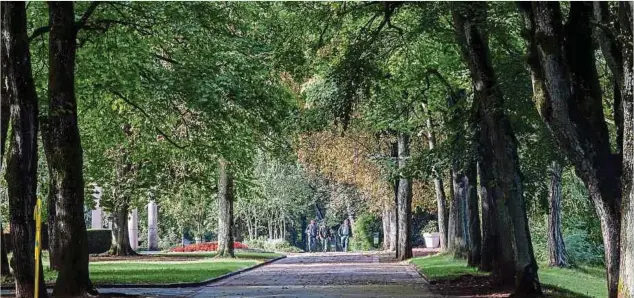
(191, 284)
(421, 274)
(175, 285)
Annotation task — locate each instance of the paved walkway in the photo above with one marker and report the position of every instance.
(310, 275)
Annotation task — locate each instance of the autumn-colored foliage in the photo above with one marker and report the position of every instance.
(205, 246)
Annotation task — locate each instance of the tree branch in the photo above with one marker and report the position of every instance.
(118, 94)
(84, 18)
(166, 59)
(39, 31)
(79, 24)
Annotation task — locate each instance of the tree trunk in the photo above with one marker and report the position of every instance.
(441, 201)
(393, 229)
(225, 210)
(470, 23)
(626, 274)
(561, 59)
(53, 243)
(5, 107)
(4, 261)
(120, 236)
(21, 172)
(394, 246)
(404, 244)
(66, 160)
(385, 219)
(490, 236)
(457, 216)
(556, 248)
(473, 218)
(270, 228)
(497, 251)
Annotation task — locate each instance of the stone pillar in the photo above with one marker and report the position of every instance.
(133, 229)
(152, 226)
(96, 217)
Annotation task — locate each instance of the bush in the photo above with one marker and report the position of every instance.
(363, 232)
(582, 250)
(99, 241)
(205, 246)
(277, 245)
(44, 241)
(169, 239)
(430, 227)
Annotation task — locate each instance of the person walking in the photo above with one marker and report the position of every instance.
(344, 233)
(324, 236)
(311, 233)
(334, 243)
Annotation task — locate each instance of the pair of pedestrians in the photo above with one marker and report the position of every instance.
(324, 235)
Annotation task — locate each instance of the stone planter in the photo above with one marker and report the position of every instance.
(432, 240)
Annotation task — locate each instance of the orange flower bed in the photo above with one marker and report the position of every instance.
(205, 246)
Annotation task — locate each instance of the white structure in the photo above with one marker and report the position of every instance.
(152, 226)
(96, 221)
(133, 229)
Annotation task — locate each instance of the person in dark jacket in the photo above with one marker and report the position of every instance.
(311, 233)
(324, 236)
(344, 233)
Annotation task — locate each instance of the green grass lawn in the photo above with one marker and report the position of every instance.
(583, 281)
(149, 272)
(202, 266)
(240, 255)
(443, 267)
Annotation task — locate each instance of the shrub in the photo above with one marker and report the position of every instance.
(582, 250)
(169, 239)
(363, 232)
(205, 246)
(44, 241)
(430, 227)
(277, 245)
(99, 241)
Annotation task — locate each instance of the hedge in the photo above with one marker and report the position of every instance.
(9, 246)
(99, 241)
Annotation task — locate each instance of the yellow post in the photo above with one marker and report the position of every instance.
(37, 216)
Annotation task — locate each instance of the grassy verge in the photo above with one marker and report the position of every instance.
(202, 266)
(584, 281)
(239, 255)
(443, 267)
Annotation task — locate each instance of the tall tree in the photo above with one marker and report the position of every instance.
(5, 108)
(470, 21)
(21, 174)
(474, 239)
(561, 60)
(441, 200)
(225, 210)
(490, 251)
(65, 157)
(457, 235)
(557, 256)
(626, 274)
(404, 197)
